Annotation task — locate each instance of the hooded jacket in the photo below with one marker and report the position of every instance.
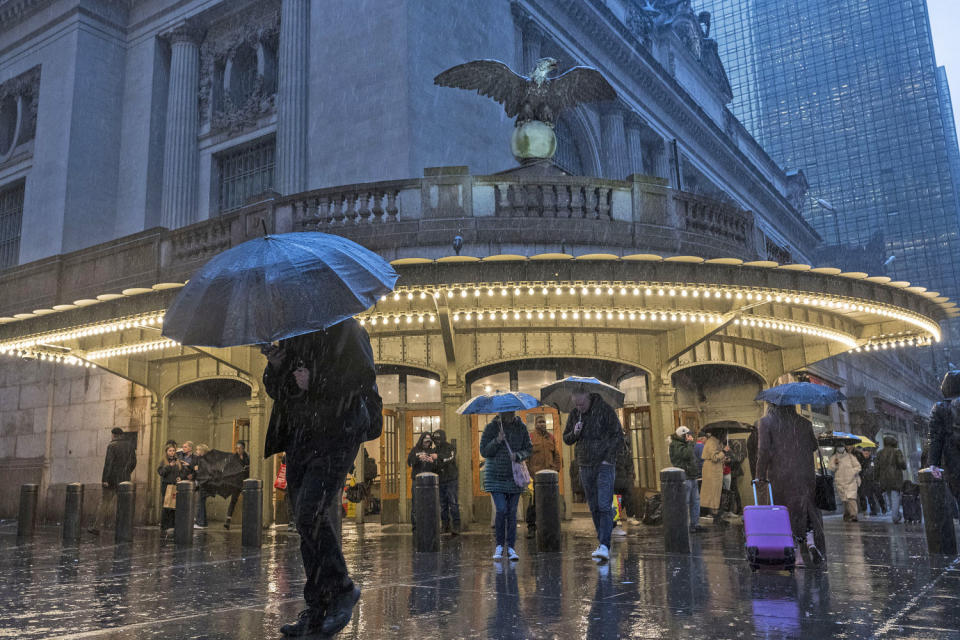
(599, 438)
(417, 465)
(120, 462)
(890, 465)
(682, 456)
(446, 457)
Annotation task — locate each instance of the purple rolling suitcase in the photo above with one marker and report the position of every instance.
(769, 538)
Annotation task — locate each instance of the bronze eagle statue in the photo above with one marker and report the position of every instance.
(535, 98)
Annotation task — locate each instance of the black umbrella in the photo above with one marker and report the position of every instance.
(727, 426)
(220, 472)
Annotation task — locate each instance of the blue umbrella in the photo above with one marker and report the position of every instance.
(498, 402)
(277, 287)
(558, 394)
(801, 393)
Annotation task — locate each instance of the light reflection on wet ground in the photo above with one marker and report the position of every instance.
(880, 583)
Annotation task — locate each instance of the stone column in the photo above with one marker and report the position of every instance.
(532, 44)
(661, 417)
(291, 171)
(259, 407)
(662, 167)
(634, 125)
(458, 427)
(613, 141)
(181, 159)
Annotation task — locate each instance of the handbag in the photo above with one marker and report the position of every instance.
(521, 475)
(281, 480)
(826, 497)
(170, 497)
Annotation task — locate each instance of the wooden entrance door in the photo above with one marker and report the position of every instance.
(687, 417)
(639, 427)
(390, 468)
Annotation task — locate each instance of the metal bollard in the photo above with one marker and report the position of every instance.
(183, 521)
(937, 519)
(72, 513)
(676, 529)
(126, 503)
(426, 489)
(546, 501)
(28, 510)
(252, 529)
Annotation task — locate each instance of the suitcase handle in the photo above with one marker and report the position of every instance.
(769, 488)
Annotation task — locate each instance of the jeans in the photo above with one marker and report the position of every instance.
(449, 504)
(505, 526)
(202, 507)
(693, 501)
(892, 499)
(597, 482)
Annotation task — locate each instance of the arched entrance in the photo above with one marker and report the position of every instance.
(213, 412)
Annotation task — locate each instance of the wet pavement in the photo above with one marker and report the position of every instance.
(880, 584)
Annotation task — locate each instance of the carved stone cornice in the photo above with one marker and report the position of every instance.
(25, 89)
(187, 31)
(13, 11)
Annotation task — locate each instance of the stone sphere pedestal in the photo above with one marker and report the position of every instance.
(532, 141)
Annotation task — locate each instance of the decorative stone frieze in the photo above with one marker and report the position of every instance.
(19, 97)
(231, 46)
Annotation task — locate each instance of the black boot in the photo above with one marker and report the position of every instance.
(309, 622)
(340, 610)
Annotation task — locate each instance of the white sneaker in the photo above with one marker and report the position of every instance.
(618, 531)
(512, 554)
(602, 553)
(595, 551)
(498, 552)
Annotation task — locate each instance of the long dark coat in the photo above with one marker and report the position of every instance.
(120, 462)
(890, 465)
(785, 447)
(419, 466)
(340, 408)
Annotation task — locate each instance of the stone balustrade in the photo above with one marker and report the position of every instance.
(413, 218)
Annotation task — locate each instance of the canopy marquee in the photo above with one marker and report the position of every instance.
(815, 312)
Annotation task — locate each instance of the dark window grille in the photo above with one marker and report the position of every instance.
(245, 172)
(11, 217)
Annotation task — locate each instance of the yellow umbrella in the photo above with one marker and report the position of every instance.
(867, 443)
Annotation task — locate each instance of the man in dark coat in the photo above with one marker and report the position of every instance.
(593, 426)
(449, 483)
(423, 458)
(890, 467)
(240, 451)
(944, 439)
(120, 461)
(785, 447)
(683, 457)
(326, 405)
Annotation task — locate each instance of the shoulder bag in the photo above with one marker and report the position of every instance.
(826, 497)
(521, 475)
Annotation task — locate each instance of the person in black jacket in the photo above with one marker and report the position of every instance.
(121, 460)
(326, 404)
(593, 426)
(449, 483)
(944, 439)
(171, 471)
(423, 458)
(240, 451)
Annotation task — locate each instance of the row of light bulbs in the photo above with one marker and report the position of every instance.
(141, 347)
(796, 327)
(491, 290)
(895, 344)
(45, 356)
(154, 320)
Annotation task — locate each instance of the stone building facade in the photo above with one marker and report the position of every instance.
(663, 252)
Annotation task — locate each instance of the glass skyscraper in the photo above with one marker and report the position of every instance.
(848, 91)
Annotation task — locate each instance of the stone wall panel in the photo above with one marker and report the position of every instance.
(31, 446)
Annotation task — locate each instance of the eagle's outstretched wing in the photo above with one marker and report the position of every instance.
(489, 78)
(579, 85)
